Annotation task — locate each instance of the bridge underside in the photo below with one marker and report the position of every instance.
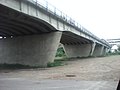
(14, 23)
(32, 41)
(76, 46)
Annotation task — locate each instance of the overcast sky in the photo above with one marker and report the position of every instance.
(101, 17)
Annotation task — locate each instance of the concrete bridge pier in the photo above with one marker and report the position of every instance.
(104, 51)
(92, 48)
(78, 50)
(33, 50)
(98, 51)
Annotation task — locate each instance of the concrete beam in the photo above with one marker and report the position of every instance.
(33, 50)
(78, 50)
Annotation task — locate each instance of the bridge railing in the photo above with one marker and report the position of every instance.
(52, 9)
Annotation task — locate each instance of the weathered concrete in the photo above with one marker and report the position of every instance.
(104, 51)
(30, 50)
(98, 51)
(93, 48)
(82, 50)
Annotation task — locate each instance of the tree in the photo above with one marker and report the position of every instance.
(119, 48)
(60, 52)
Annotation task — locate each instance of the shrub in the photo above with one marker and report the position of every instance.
(60, 52)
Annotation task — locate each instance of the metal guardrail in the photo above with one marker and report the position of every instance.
(53, 10)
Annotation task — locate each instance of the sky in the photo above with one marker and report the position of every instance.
(101, 17)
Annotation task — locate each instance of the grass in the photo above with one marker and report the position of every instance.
(55, 63)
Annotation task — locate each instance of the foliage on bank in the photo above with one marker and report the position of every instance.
(55, 63)
(60, 52)
(116, 52)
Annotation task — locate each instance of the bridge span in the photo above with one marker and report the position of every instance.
(32, 31)
(113, 42)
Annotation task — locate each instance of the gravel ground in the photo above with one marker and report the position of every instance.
(90, 69)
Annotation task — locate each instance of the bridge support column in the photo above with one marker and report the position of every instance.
(98, 50)
(33, 50)
(93, 48)
(78, 50)
(104, 51)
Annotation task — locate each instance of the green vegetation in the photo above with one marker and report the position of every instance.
(116, 52)
(60, 52)
(55, 63)
(119, 48)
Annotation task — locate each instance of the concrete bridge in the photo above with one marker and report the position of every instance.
(31, 32)
(113, 42)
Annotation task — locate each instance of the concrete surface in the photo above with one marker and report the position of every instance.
(29, 84)
(34, 50)
(82, 50)
(98, 51)
(104, 51)
(92, 48)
